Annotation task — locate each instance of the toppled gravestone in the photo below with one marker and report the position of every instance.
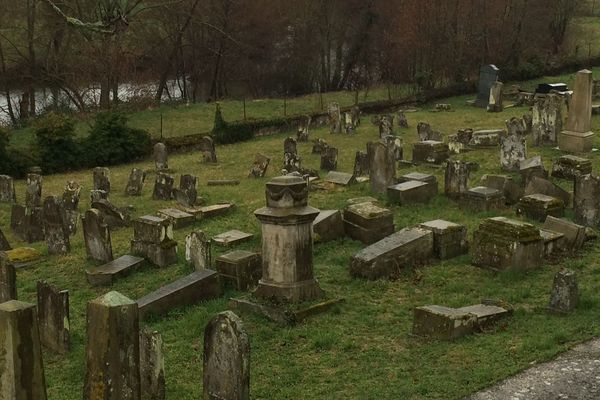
(574, 234)
(430, 151)
(153, 240)
(502, 243)
(537, 185)
(481, 198)
(505, 184)
(532, 167)
(406, 248)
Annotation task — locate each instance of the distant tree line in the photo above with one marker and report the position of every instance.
(268, 47)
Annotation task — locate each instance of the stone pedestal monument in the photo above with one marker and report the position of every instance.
(578, 136)
(287, 242)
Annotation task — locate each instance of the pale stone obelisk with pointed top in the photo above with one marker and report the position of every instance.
(578, 136)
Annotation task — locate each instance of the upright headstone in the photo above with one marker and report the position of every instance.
(586, 200)
(163, 187)
(382, 166)
(513, 150)
(456, 178)
(55, 230)
(96, 234)
(565, 292)
(21, 366)
(208, 149)
(488, 75)
(547, 119)
(361, 164)
(70, 204)
(329, 159)
(152, 365)
(102, 179)
(112, 350)
(495, 100)
(578, 136)
(53, 317)
(335, 118)
(7, 189)
(198, 250)
(291, 160)
(4, 245)
(424, 131)
(287, 242)
(8, 280)
(135, 182)
(226, 364)
(259, 168)
(153, 239)
(386, 125)
(303, 130)
(33, 191)
(161, 157)
(401, 120)
(187, 194)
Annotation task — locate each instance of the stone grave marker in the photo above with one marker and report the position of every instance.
(340, 178)
(328, 226)
(547, 119)
(70, 206)
(577, 137)
(513, 149)
(456, 177)
(161, 155)
(449, 239)
(55, 230)
(242, 269)
(481, 198)
(259, 168)
(4, 245)
(570, 166)
(97, 195)
(135, 183)
(8, 279)
(361, 164)
(386, 126)
(335, 118)
(564, 297)
(7, 190)
(430, 151)
(226, 358)
(532, 167)
(208, 149)
(586, 200)
(319, 146)
(382, 166)
(33, 191)
(329, 159)
(401, 120)
(21, 369)
(537, 185)
(112, 349)
(488, 76)
(96, 234)
(163, 187)
(53, 317)
(102, 179)
(486, 138)
(108, 273)
(152, 366)
(303, 133)
(368, 222)
(153, 240)
(539, 206)
(574, 234)
(113, 216)
(495, 103)
(223, 182)
(198, 250)
(231, 238)
(511, 191)
(187, 193)
(411, 192)
(179, 219)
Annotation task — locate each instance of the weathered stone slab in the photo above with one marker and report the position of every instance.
(328, 226)
(570, 166)
(430, 151)
(231, 238)
(97, 195)
(481, 198)
(501, 243)
(55, 231)
(411, 192)
(98, 244)
(532, 167)
(33, 191)
(486, 138)
(574, 234)
(382, 166)
(329, 159)
(113, 349)
(240, 268)
(495, 103)
(23, 257)
(189, 290)
(8, 279)
(215, 210)
(443, 323)
(340, 178)
(449, 239)
(223, 182)
(161, 157)
(153, 229)
(21, 369)
(198, 252)
(208, 149)
(53, 317)
(565, 292)
(456, 177)
(406, 248)
(227, 357)
(513, 150)
(152, 366)
(7, 190)
(101, 177)
(361, 164)
(187, 194)
(113, 216)
(135, 183)
(553, 242)
(259, 168)
(547, 118)
(539, 206)
(505, 184)
(178, 218)
(386, 125)
(543, 186)
(163, 187)
(367, 222)
(418, 176)
(27, 223)
(108, 273)
(160, 254)
(488, 76)
(319, 145)
(586, 200)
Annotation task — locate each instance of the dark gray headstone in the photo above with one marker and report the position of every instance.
(96, 234)
(101, 179)
(135, 182)
(55, 230)
(488, 75)
(53, 317)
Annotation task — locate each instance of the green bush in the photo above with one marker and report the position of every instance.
(225, 133)
(4, 161)
(111, 141)
(55, 143)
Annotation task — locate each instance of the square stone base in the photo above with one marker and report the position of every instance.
(576, 142)
(292, 292)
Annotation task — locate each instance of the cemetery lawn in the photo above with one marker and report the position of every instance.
(364, 348)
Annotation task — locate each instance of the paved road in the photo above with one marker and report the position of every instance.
(574, 375)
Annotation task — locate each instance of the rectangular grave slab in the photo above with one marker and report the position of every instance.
(430, 151)
(223, 182)
(367, 222)
(411, 192)
(502, 243)
(532, 167)
(481, 199)
(215, 210)
(570, 166)
(418, 176)
(178, 218)
(449, 239)
(486, 138)
(544, 186)
(539, 206)
(574, 233)
(511, 190)
(160, 254)
(487, 314)
(443, 323)
(340, 178)
(406, 248)
(231, 238)
(191, 289)
(242, 269)
(553, 242)
(22, 257)
(328, 226)
(108, 273)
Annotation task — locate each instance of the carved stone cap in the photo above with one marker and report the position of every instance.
(287, 192)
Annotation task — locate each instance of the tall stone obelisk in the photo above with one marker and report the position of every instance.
(578, 136)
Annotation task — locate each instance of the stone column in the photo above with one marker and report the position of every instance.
(578, 136)
(287, 242)
(21, 366)
(112, 350)
(226, 359)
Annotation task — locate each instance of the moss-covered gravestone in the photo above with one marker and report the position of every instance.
(53, 317)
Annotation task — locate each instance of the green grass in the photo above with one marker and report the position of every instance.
(365, 350)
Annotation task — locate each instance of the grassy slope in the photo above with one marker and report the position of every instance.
(364, 349)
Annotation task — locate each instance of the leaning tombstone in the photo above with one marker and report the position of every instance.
(112, 349)
(198, 250)
(96, 234)
(259, 168)
(577, 137)
(135, 182)
(8, 280)
(187, 194)
(53, 317)
(7, 189)
(226, 358)
(565, 292)
(152, 365)
(102, 179)
(21, 366)
(55, 230)
(161, 157)
(488, 75)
